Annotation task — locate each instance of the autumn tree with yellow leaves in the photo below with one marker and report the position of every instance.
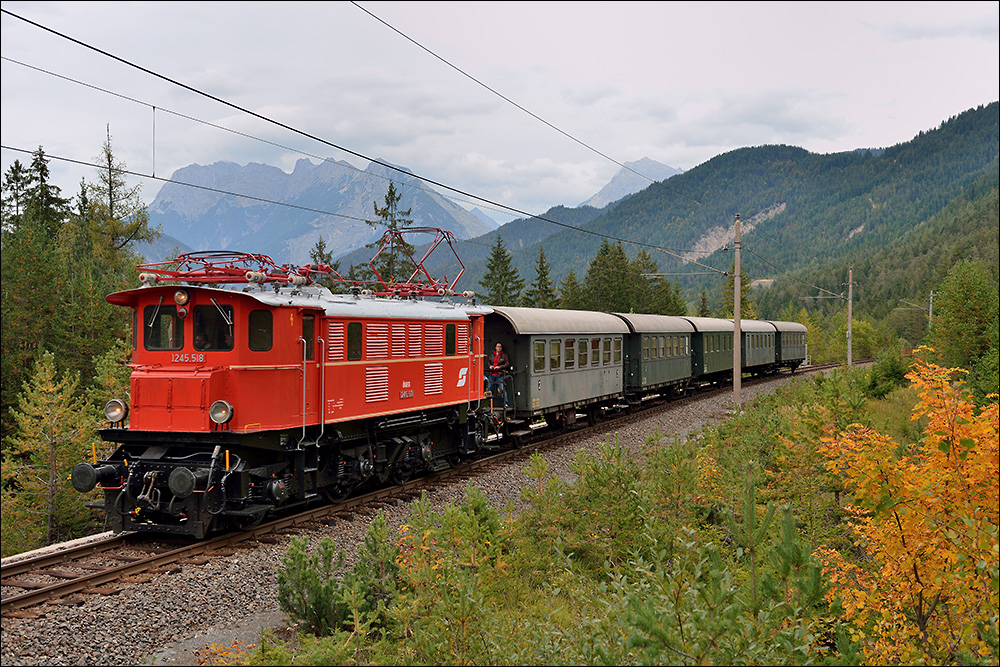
(926, 515)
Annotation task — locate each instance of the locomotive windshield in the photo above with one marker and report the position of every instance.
(213, 327)
(163, 330)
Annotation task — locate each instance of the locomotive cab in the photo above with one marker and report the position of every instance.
(219, 383)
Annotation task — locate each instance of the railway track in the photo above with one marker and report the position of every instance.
(67, 573)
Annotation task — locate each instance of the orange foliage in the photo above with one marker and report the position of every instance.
(927, 518)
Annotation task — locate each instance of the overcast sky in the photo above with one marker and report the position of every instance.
(613, 82)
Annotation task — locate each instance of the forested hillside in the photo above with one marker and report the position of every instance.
(830, 208)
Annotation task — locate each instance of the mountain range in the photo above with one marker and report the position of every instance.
(805, 216)
(226, 206)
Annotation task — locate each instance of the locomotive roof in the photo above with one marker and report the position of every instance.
(546, 321)
(314, 296)
(643, 323)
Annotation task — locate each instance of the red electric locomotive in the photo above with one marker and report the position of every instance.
(253, 388)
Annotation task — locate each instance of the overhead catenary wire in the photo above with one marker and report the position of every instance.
(484, 201)
(512, 102)
(313, 137)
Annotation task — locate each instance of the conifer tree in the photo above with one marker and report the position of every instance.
(16, 182)
(703, 308)
(726, 307)
(966, 305)
(45, 203)
(571, 292)
(116, 212)
(607, 285)
(391, 264)
(53, 434)
(321, 256)
(542, 293)
(502, 282)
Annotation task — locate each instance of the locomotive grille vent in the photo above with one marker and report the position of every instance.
(335, 341)
(462, 339)
(434, 344)
(433, 379)
(378, 341)
(398, 340)
(415, 340)
(376, 384)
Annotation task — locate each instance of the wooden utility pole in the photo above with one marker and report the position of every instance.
(737, 338)
(850, 316)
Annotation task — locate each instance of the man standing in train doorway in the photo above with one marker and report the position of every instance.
(499, 363)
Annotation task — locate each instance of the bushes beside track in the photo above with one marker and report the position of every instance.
(757, 542)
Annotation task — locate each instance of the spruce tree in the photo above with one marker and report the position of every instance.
(323, 257)
(53, 434)
(703, 308)
(391, 263)
(502, 282)
(726, 307)
(571, 295)
(542, 293)
(608, 285)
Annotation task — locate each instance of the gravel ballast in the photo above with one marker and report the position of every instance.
(165, 620)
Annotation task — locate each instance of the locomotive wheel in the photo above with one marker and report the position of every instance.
(401, 475)
(248, 522)
(337, 493)
(455, 460)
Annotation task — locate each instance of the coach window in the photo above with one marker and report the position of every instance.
(582, 352)
(353, 341)
(570, 350)
(607, 351)
(595, 351)
(162, 329)
(261, 330)
(555, 355)
(539, 356)
(618, 350)
(449, 340)
(645, 347)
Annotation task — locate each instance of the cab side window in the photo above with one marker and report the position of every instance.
(260, 327)
(309, 335)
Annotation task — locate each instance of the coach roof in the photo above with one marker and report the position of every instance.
(545, 321)
(642, 323)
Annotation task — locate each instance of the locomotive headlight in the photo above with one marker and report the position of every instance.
(115, 410)
(181, 297)
(221, 412)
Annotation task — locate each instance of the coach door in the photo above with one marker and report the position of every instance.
(311, 378)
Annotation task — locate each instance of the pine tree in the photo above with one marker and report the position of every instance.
(703, 308)
(502, 282)
(44, 202)
(571, 292)
(608, 285)
(53, 434)
(323, 257)
(726, 307)
(542, 293)
(390, 263)
(965, 308)
(16, 183)
(115, 211)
